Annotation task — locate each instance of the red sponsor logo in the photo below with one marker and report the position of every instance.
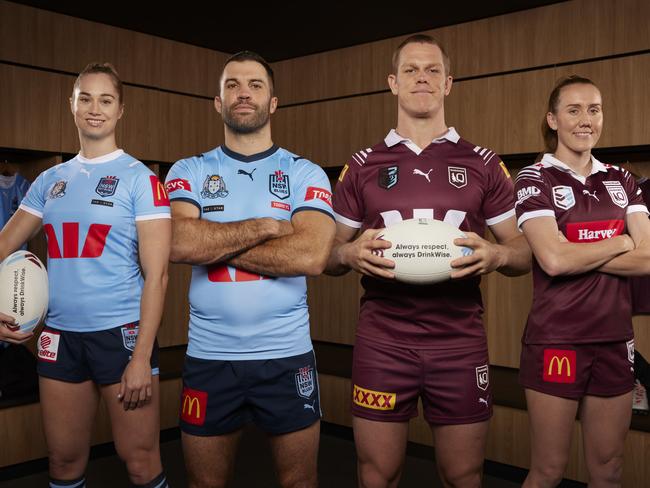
(160, 198)
(193, 406)
(596, 230)
(376, 400)
(93, 244)
(48, 346)
(283, 206)
(319, 193)
(178, 184)
(45, 342)
(559, 366)
(221, 273)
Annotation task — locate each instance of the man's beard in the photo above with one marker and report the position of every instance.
(249, 124)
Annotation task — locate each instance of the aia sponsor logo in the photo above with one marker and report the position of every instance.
(559, 366)
(281, 205)
(376, 400)
(160, 198)
(596, 230)
(93, 246)
(178, 184)
(221, 273)
(194, 404)
(314, 193)
(48, 346)
(482, 377)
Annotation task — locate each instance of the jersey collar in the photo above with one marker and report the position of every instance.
(393, 138)
(248, 159)
(596, 166)
(101, 159)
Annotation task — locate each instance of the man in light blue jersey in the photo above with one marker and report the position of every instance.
(253, 219)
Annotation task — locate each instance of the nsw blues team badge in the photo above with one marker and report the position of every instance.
(388, 177)
(214, 186)
(58, 189)
(616, 193)
(107, 186)
(129, 336)
(279, 185)
(305, 383)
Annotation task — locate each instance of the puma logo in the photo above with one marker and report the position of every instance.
(305, 406)
(250, 175)
(585, 192)
(426, 175)
(84, 171)
(484, 400)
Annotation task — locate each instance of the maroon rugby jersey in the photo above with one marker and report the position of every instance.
(640, 285)
(592, 306)
(452, 180)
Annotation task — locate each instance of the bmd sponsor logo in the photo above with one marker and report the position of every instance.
(597, 230)
(559, 366)
(525, 193)
(376, 400)
(193, 406)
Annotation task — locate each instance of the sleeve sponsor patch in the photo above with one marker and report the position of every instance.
(178, 184)
(160, 198)
(505, 170)
(343, 171)
(318, 193)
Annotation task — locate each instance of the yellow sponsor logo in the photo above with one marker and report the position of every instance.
(191, 404)
(376, 400)
(559, 363)
(343, 171)
(505, 170)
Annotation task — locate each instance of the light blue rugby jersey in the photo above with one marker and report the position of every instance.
(89, 210)
(237, 315)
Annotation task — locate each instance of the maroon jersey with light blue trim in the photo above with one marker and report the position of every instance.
(592, 306)
(452, 180)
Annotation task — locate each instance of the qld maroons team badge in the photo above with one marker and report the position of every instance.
(305, 383)
(482, 377)
(107, 186)
(616, 193)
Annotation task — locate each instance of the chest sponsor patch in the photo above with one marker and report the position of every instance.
(281, 205)
(107, 186)
(594, 231)
(563, 197)
(616, 193)
(314, 193)
(48, 346)
(178, 184)
(375, 400)
(559, 366)
(102, 203)
(160, 198)
(279, 185)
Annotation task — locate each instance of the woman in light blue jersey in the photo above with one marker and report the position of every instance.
(106, 218)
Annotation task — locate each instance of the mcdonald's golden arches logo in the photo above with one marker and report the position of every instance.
(559, 366)
(193, 406)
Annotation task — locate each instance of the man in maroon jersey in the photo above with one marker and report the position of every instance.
(428, 341)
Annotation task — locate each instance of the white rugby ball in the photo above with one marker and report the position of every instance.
(24, 294)
(422, 250)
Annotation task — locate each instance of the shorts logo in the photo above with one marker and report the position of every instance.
(107, 186)
(178, 184)
(563, 197)
(305, 383)
(129, 336)
(318, 193)
(281, 205)
(214, 187)
(58, 190)
(376, 400)
(457, 176)
(388, 177)
(616, 193)
(48, 346)
(630, 350)
(482, 377)
(559, 366)
(194, 404)
(279, 185)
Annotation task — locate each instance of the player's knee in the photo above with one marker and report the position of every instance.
(203, 480)
(142, 465)
(373, 475)
(298, 480)
(609, 469)
(549, 474)
(461, 475)
(66, 465)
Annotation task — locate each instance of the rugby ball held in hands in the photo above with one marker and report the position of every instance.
(24, 294)
(422, 250)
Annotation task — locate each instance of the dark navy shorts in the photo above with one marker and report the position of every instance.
(573, 371)
(278, 395)
(387, 381)
(80, 356)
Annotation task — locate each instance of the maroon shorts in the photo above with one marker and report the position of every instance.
(573, 371)
(453, 384)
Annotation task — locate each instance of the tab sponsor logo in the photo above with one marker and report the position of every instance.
(559, 366)
(376, 400)
(194, 404)
(318, 193)
(597, 230)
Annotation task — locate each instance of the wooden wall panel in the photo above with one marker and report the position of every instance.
(24, 427)
(30, 102)
(536, 37)
(46, 39)
(334, 307)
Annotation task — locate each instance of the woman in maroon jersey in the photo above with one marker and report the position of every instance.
(588, 228)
